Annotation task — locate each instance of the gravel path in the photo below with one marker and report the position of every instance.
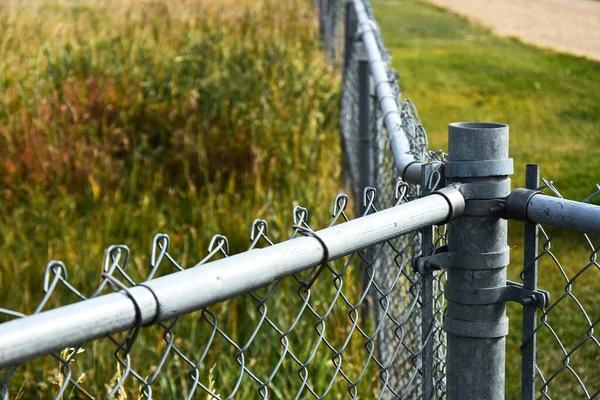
(571, 26)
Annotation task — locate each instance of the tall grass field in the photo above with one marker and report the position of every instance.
(121, 119)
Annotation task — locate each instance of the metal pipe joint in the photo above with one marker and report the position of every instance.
(455, 200)
(517, 202)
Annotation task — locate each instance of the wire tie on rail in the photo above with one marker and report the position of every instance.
(133, 332)
(316, 271)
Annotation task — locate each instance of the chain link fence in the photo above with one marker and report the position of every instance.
(568, 349)
(366, 325)
(384, 179)
(565, 353)
(285, 341)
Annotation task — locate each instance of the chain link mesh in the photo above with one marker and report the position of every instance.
(387, 183)
(566, 331)
(283, 341)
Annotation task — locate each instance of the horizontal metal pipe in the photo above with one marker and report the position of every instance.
(195, 288)
(406, 164)
(564, 214)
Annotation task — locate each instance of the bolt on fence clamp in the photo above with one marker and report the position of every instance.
(513, 291)
(434, 262)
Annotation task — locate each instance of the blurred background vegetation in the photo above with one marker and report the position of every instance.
(120, 119)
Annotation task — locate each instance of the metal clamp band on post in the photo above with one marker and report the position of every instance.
(485, 190)
(479, 168)
(483, 208)
(361, 52)
(476, 329)
(511, 292)
(444, 259)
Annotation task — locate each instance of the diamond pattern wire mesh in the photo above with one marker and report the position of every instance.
(284, 341)
(386, 181)
(567, 331)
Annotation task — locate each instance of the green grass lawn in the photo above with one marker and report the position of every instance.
(454, 71)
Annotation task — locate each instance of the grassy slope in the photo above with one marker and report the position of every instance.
(457, 72)
(454, 71)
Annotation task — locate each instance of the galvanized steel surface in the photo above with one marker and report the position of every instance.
(564, 214)
(393, 302)
(477, 332)
(552, 351)
(157, 300)
(394, 122)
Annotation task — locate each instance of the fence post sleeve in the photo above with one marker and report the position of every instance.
(476, 330)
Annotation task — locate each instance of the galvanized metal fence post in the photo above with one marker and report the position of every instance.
(349, 34)
(427, 334)
(365, 142)
(530, 278)
(364, 118)
(478, 254)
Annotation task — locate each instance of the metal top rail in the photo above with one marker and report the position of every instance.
(196, 288)
(533, 206)
(407, 166)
